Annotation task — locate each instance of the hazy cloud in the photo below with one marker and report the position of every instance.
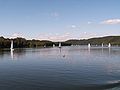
(15, 35)
(73, 26)
(55, 14)
(55, 37)
(89, 22)
(111, 21)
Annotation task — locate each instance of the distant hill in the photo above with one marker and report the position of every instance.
(114, 40)
(23, 43)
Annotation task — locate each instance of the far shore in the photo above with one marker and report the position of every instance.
(23, 43)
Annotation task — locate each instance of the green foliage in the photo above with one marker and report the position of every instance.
(23, 43)
(115, 40)
(20, 42)
(4, 43)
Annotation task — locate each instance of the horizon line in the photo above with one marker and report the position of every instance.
(63, 40)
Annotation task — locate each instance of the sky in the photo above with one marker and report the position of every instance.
(59, 20)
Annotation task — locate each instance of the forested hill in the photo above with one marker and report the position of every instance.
(114, 40)
(23, 43)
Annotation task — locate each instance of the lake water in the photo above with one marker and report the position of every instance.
(68, 68)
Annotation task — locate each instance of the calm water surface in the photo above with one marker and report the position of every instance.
(68, 68)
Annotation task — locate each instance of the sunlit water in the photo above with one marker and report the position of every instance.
(68, 68)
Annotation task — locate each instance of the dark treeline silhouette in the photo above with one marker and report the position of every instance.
(23, 43)
(114, 40)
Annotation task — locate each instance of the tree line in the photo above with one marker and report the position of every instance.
(114, 40)
(23, 43)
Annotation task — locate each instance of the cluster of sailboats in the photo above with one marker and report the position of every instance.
(12, 49)
(60, 46)
(89, 45)
(109, 45)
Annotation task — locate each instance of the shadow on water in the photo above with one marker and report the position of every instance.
(109, 86)
(104, 87)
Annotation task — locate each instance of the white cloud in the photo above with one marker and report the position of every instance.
(73, 26)
(89, 22)
(111, 21)
(55, 14)
(87, 35)
(55, 37)
(15, 35)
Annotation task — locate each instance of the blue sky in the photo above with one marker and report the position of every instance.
(58, 20)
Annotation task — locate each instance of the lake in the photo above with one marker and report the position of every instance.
(68, 68)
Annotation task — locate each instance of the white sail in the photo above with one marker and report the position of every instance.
(109, 45)
(11, 45)
(44, 46)
(12, 56)
(59, 45)
(102, 45)
(89, 45)
(53, 45)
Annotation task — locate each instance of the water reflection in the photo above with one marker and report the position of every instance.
(68, 68)
(109, 50)
(89, 49)
(60, 50)
(102, 50)
(12, 56)
(18, 53)
(63, 52)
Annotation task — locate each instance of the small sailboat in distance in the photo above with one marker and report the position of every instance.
(102, 45)
(11, 48)
(109, 45)
(89, 45)
(44, 46)
(53, 45)
(59, 45)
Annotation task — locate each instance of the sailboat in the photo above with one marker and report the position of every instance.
(59, 45)
(109, 45)
(102, 45)
(53, 45)
(11, 48)
(44, 46)
(89, 45)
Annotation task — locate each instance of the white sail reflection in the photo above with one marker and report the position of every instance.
(12, 54)
(62, 54)
(60, 50)
(109, 50)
